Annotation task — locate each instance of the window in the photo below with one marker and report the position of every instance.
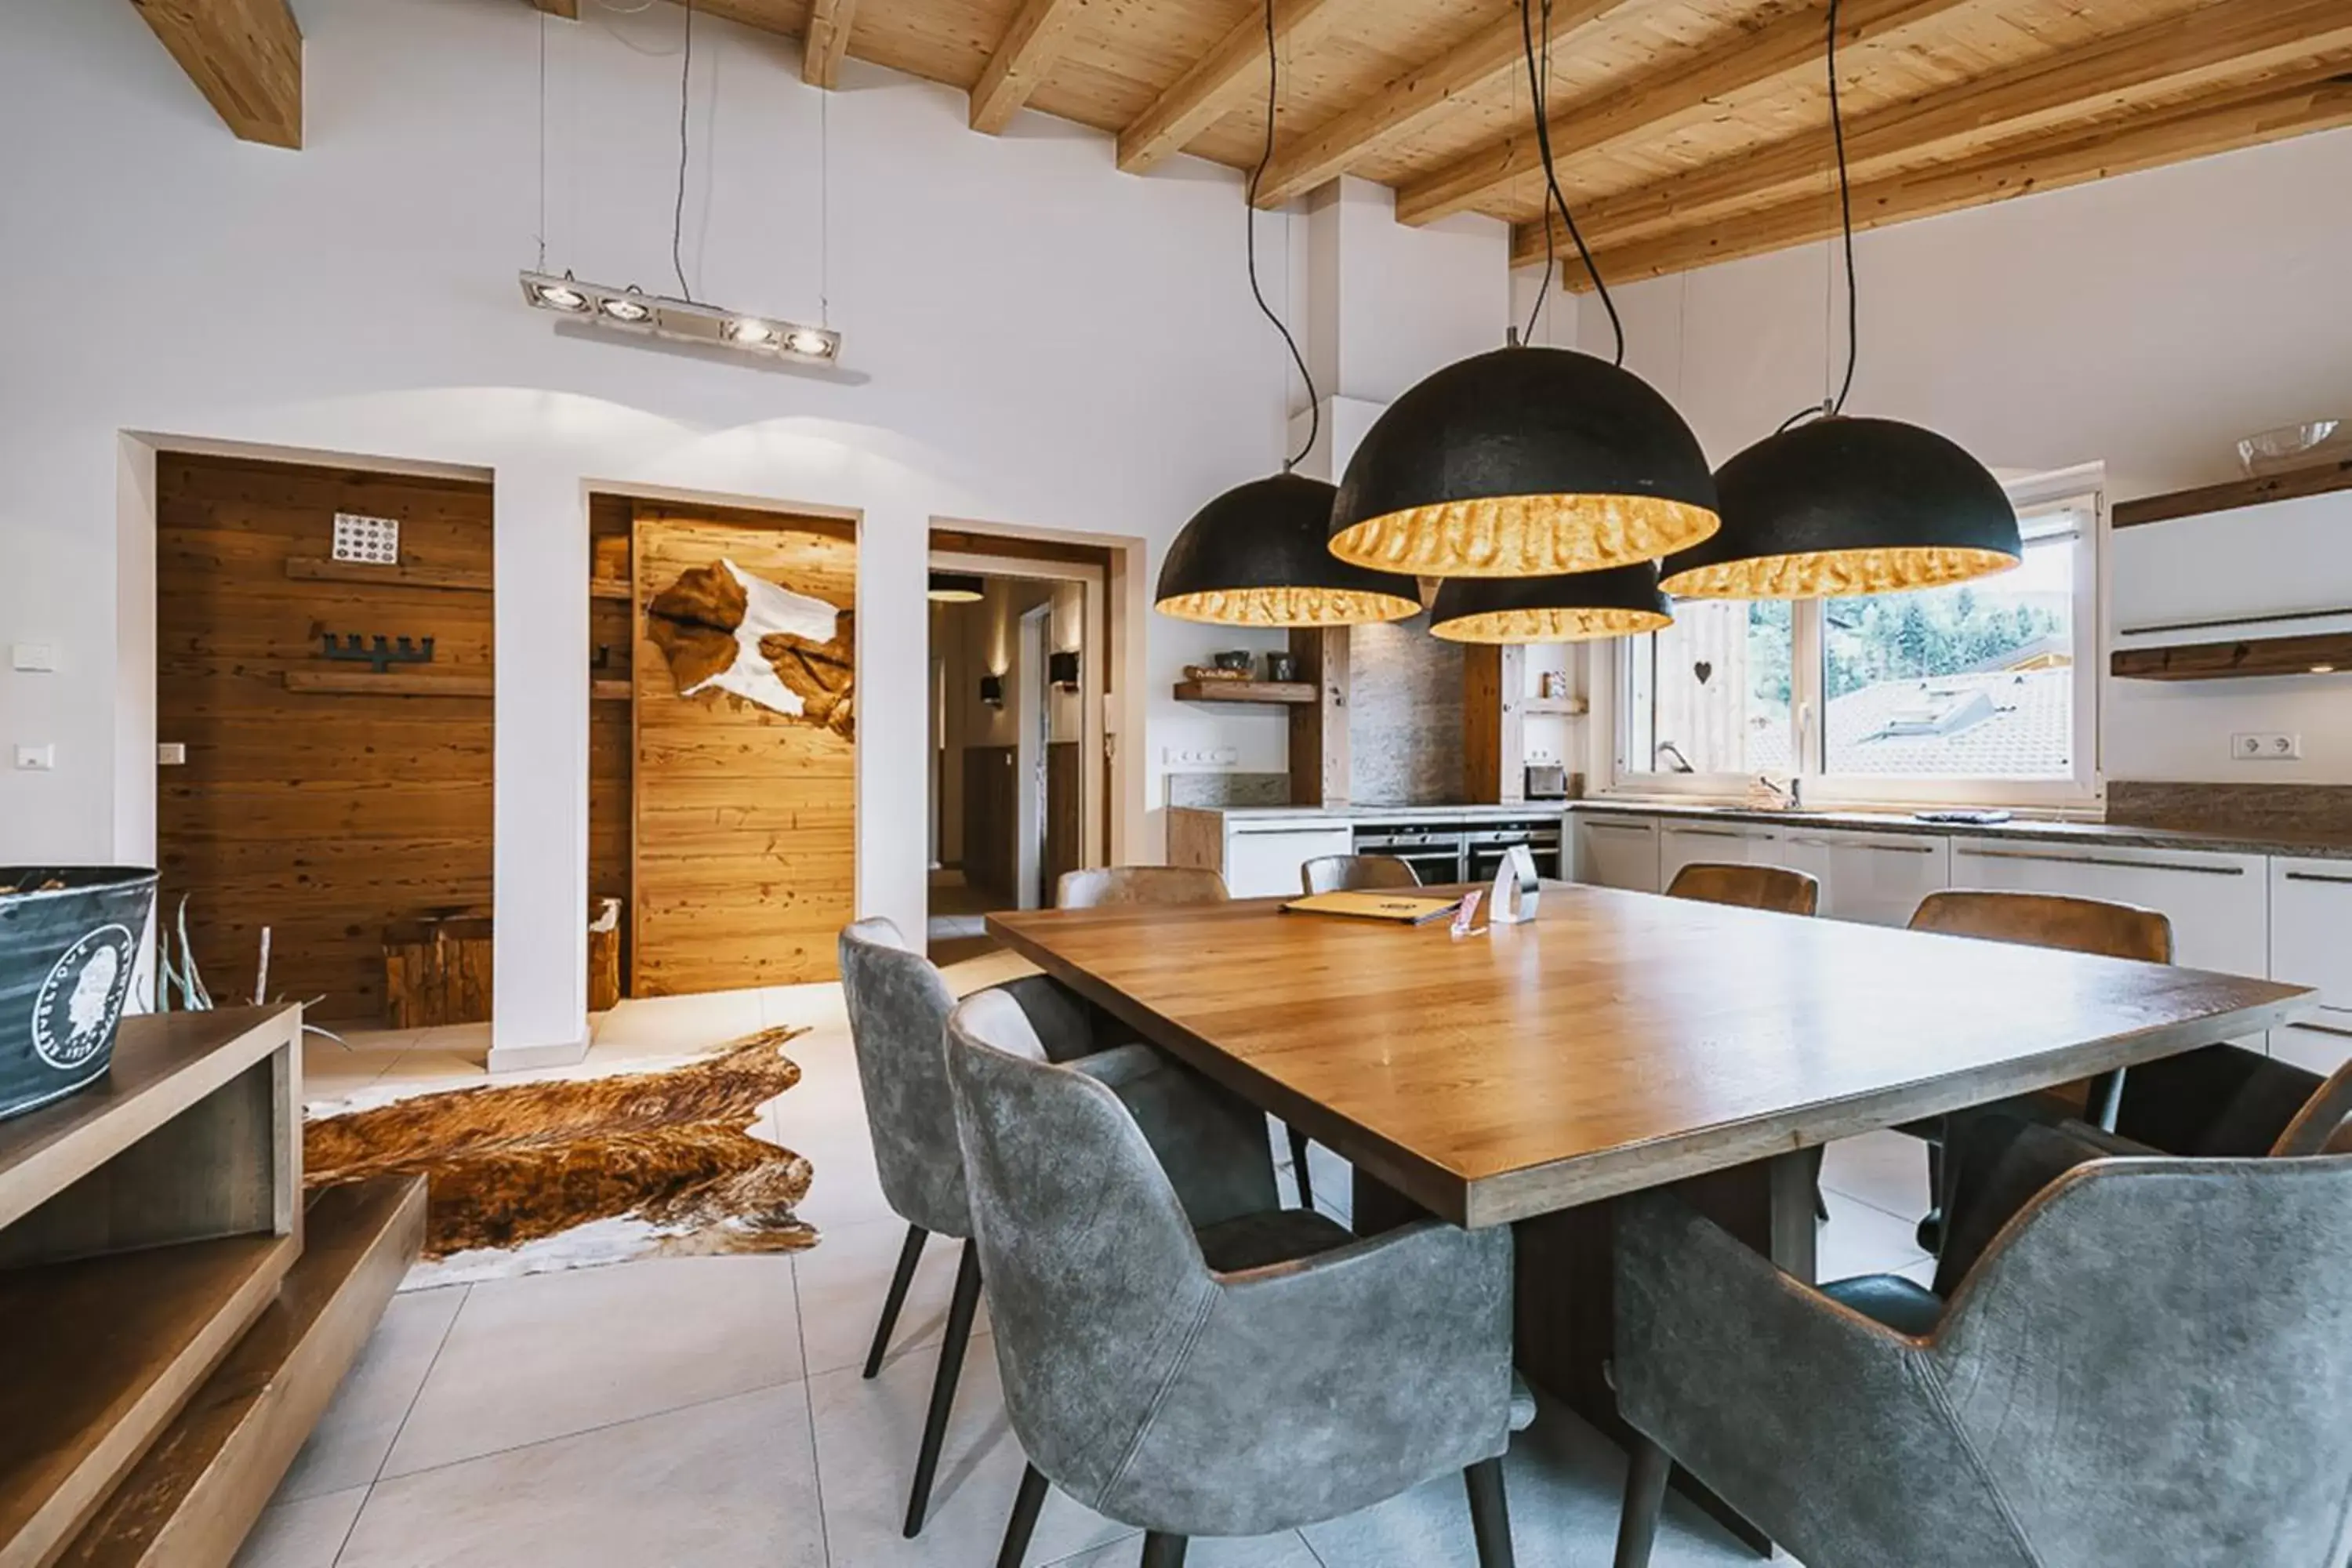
(1982, 691)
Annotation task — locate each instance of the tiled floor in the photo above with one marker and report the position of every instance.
(708, 1410)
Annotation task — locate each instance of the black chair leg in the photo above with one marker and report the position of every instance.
(1162, 1551)
(1298, 1168)
(1024, 1522)
(1930, 1234)
(943, 1386)
(1490, 1514)
(908, 1256)
(1645, 1497)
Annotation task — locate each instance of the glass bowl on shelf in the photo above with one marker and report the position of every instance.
(2304, 445)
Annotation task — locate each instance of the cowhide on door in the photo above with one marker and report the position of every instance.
(744, 792)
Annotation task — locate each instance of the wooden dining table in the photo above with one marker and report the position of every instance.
(1621, 1041)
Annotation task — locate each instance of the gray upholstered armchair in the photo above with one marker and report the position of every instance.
(899, 1004)
(1224, 1379)
(2151, 1363)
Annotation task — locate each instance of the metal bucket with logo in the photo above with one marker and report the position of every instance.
(70, 940)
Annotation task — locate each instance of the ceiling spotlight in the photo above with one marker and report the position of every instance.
(555, 294)
(811, 342)
(632, 312)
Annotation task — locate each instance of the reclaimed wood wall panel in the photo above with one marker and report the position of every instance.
(744, 818)
(325, 817)
(612, 634)
(1065, 816)
(992, 849)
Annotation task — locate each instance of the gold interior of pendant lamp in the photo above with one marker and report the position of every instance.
(1549, 626)
(1837, 573)
(1524, 536)
(1287, 607)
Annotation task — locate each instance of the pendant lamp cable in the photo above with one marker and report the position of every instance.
(1249, 215)
(1535, 91)
(1551, 252)
(542, 141)
(1832, 406)
(678, 209)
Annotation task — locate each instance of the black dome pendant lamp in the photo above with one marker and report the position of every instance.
(1525, 462)
(1255, 556)
(1843, 506)
(1621, 601)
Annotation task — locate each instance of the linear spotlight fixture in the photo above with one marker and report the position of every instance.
(681, 321)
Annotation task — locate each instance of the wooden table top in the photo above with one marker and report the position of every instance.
(1621, 1041)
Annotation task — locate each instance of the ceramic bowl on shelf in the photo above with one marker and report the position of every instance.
(1238, 660)
(2290, 446)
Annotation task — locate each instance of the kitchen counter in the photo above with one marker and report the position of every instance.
(2081, 834)
(1361, 812)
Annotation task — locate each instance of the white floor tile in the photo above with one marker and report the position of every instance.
(1860, 1239)
(550, 1354)
(684, 1023)
(718, 1485)
(305, 1534)
(1885, 1170)
(843, 1280)
(1286, 1550)
(867, 1434)
(348, 1446)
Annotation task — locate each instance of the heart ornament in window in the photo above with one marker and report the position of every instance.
(1702, 668)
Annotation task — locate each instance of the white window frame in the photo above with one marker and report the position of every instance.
(2083, 791)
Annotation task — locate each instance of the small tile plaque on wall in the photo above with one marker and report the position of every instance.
(373, 540)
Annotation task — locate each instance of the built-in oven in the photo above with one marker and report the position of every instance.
(1489, 842)
(1435, 850)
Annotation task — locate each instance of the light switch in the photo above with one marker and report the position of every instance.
(170, 753)
(38, 759)
(34, 656)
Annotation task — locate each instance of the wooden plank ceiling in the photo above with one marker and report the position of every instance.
(1686, 131)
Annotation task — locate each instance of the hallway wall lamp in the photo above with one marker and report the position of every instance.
(1061, 668)
(992, 690)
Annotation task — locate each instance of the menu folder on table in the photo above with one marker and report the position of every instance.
(1403, 908)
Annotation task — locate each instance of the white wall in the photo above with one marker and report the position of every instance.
(1036, 341)
(2145, 322)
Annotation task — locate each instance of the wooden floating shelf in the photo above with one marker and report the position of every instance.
(2319, 655)
(609, 691)
(1566, 706)
(312, 569)
(2292, 485)
(1281, 693)
(601, 589)
(391, 683)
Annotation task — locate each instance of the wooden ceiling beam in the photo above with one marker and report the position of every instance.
(1489, 60)
(245, 57)
(1215, 84)
(1679, 85)
(567, 9)
(2225, 46)
(1021, 61)
(2074, 157)
(825, 43)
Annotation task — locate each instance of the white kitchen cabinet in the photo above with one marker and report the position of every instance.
(1680, 844)
(2319, 1045)
(1875, 878)
(2219, 904)
(2311, 944)
(1262, 861)
(1614, 851)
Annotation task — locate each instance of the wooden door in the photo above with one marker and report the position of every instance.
(744, 788)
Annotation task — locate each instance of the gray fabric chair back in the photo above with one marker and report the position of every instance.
(898, 1005)
(1101, 884)
(1356, 874)
(1093, 1273)
(2155, 1363)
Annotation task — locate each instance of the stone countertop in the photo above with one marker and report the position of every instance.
(2082, 834)
(2252, 840)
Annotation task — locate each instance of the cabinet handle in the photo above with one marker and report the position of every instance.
(1711, 832)
(1881, 848)
(2317, 876)
(2340, 1034)
(2102, 860)
(1620, 826)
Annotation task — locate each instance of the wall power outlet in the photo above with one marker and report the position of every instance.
(2267, 746)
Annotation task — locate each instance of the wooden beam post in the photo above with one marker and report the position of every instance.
(1680, 84)
(825, 44)
(567, 9)
(1204, 94)
(245, 57)
(1319, 759)
(1021, 61)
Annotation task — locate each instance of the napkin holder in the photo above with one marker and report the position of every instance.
(1517, 888)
